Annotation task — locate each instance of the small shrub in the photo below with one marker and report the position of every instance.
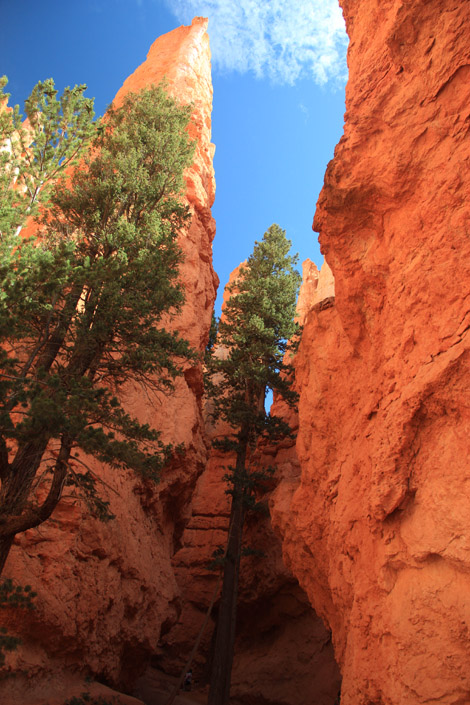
(12, 595)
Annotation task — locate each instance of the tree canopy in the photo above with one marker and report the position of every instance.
(85, 299)
(34, 153)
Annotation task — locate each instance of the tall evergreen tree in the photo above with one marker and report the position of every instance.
(253, 338)
(82, 305)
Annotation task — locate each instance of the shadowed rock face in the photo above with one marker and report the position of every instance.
(105, 590)
(377, 530)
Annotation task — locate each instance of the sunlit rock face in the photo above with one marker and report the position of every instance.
(105, 590)
(283, 652)
(377, 527)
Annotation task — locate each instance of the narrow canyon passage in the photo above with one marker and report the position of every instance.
(365, 574)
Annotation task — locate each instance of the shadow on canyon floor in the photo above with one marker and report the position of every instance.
(155, 688)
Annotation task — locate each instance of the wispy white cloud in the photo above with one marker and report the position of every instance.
(283, 40)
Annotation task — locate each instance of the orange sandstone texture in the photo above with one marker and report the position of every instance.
(105, 591)
(377, 529)
(318, 289)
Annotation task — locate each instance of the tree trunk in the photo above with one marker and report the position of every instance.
(219, 691)
(15, 517)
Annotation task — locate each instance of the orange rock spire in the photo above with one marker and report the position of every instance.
(104, 590)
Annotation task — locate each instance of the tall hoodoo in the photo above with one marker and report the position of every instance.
(182, 59)
(105, 590)
(378, 532)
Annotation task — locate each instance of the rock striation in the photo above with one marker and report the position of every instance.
(376, 527)
(106, 591)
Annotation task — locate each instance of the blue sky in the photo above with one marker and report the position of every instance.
(279, 71)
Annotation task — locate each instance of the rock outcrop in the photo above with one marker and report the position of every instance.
(317, 290)
(106, 591)
(377, 529)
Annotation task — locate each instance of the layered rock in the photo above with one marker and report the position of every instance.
(376, 530)
(105, 591)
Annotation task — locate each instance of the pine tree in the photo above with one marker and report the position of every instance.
(252, 342)
(82, 306)
(34, 153)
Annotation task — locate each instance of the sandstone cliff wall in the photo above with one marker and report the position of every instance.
(377, 527)
(106, 591)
